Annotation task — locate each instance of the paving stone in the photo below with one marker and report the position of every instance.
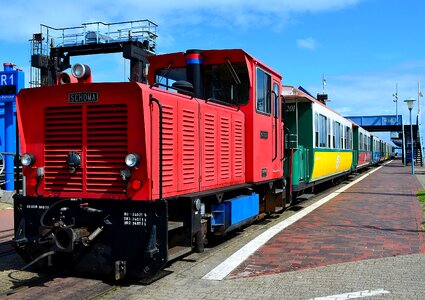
(383, 219)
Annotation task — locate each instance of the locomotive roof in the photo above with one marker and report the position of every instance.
(178, 59)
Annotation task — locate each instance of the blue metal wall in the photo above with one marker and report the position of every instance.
(384, 120)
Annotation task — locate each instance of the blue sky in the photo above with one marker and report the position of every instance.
(364, 47)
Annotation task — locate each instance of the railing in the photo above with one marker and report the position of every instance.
(307, 164)
(292, 141)
(420, 140)
(143, 31)
(3, 168)
(96, 33)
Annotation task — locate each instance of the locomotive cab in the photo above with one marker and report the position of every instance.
(235, 79)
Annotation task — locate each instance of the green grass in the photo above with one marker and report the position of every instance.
(421, 198)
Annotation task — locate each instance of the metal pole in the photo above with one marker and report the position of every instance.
(404, 145)
(411, 141)
(396, 101)
(10, 144)
(395, 95)
(396, 113)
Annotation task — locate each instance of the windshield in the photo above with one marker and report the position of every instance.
(221, 84)
(225, 82)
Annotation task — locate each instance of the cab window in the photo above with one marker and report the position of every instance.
(263, 92)
(227, 82)
(166, 77)
(276, 100)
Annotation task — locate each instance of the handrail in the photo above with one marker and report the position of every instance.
(152, 99)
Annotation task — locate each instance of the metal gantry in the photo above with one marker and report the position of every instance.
(52, 48)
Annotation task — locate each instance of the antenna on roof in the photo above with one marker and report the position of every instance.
(323, 97)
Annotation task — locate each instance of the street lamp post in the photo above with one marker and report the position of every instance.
(410, 106)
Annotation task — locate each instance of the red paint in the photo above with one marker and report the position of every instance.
(364, 158)
(205, 145)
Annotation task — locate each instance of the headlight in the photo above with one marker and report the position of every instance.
(27, 159)
(132, 160)
(81, 71)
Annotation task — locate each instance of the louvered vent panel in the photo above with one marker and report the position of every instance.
(188, 146)
(63, 133)
(168, 145)
(106, 147)
(224, 168)
(238, 149)
(210, 149)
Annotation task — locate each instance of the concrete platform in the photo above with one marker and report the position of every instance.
(6, 219)
(376, 218)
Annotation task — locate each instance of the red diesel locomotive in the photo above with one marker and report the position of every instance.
(122, 177)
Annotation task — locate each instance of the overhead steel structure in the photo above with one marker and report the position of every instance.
(52, 48)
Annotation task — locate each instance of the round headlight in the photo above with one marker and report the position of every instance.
(132, 160)
(27, 159)
(80, 71)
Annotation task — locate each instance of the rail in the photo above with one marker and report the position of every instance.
(420, 141)
(293, 141)
(307, 168)
(95, 33)
(3, 167)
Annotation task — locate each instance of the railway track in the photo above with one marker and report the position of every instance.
(6, 234)
(6, 247)
(57, 286)
(16, 284)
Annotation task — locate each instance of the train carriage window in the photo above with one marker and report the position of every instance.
(316, 129)
(345, 144)
(341, 136)
(323, 132)
(361, 146)
(263, 92)
(348, 138)
(329, 133)
(337, 135)
(366, 143)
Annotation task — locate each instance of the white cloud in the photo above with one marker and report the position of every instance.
(307, 43)
(372, 94)
(24, 16)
